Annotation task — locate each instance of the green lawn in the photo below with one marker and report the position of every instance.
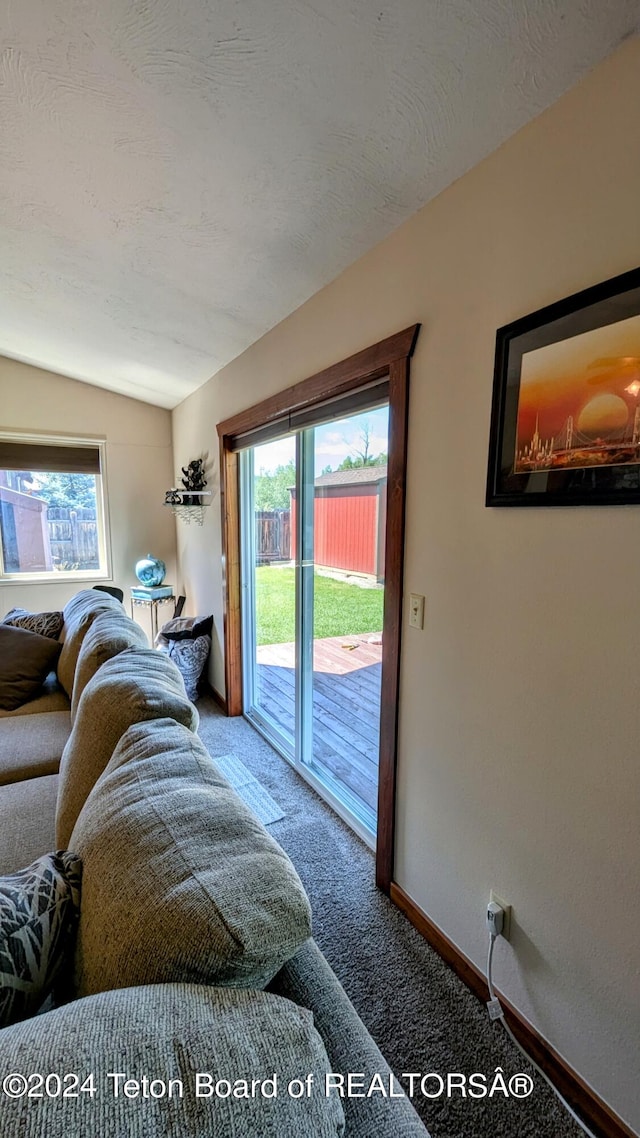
(340, 609)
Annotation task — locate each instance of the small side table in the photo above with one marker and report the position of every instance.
(151, 605)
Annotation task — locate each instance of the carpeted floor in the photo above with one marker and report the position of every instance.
(421, 1015)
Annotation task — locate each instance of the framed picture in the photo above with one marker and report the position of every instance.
(565, 421)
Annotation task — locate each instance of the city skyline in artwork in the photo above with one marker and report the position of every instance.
(579, 401)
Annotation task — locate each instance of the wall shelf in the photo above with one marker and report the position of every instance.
(188, 511)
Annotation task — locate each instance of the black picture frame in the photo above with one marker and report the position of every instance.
(559, 436)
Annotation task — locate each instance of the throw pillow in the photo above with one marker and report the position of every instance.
(44, 623)
(39, 909)
(190, 657)
(14, 612)
(26, 658)
(187, 628)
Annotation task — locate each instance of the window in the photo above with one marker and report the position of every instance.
(52, 518)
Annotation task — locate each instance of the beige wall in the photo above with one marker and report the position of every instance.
(519, 762)
(139, 468)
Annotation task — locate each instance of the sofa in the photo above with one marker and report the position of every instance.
(193, 999)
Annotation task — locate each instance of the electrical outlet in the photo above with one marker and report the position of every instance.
(416, 610)
(506, 908)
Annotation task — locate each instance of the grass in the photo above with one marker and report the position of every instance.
(340, 609)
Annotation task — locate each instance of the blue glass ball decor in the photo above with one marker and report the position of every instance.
(150, 570)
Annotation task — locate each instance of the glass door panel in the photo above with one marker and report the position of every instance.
(313, 526)
(268, 476)
(350, 461)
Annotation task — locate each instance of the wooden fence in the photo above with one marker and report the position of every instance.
(73, 536)
(273, 536)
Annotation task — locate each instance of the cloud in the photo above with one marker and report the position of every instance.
(334, 442)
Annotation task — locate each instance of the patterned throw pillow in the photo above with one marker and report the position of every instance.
(44, 623)
(39, 912)
(190, 657)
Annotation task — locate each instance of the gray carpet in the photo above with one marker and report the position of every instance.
(420, 1014)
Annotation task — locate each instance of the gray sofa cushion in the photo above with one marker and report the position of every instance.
(79, 614)
(27, 813)
(31, 746)
(181, 881)
(109, 634)
(170, 1032)
(136, 685)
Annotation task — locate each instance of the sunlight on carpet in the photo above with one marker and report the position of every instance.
(250, 790)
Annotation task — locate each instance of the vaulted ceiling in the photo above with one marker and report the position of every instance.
(179, 175)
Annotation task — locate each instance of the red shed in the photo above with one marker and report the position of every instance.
(349, 516)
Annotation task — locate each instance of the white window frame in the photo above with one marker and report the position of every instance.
(102, 514)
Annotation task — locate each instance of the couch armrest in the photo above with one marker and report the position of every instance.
(308, 980)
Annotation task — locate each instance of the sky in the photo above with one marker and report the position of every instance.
(333, 442)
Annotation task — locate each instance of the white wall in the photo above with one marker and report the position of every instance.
(519, 760)
(139, 468)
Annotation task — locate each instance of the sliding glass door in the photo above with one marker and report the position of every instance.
(267, 478)
(313, 510)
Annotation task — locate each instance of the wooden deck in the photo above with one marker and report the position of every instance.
(346, 705)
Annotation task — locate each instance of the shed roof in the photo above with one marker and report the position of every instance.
(355, 476)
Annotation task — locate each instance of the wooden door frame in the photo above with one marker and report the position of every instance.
(389, 357)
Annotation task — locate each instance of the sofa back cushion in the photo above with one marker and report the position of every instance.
(169, 1032)
(109, 634)
(136, 685)
(79, 614)
(181, 880)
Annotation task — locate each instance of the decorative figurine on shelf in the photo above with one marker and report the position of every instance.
(194, 479)
(173, 498)
(150, 570)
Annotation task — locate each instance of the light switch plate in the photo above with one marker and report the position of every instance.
(416, 610)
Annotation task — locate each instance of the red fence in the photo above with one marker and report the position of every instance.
(348, 527)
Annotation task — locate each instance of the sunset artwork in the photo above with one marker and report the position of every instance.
(579, 401)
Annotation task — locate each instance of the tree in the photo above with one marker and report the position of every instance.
(363, 453)
(363, 456)
(271, 489)
(66, 491)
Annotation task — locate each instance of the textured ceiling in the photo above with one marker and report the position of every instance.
(179, 175)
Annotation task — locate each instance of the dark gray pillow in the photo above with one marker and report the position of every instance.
(26, 658)
(187, 627)
(39, 910)
(44, 623)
